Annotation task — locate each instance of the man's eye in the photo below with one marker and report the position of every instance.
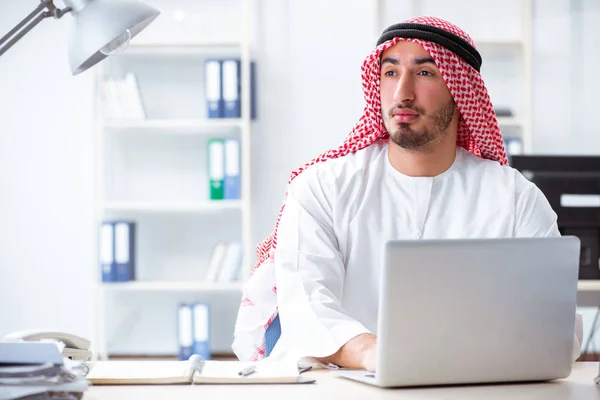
(425, 73)
(389, 73)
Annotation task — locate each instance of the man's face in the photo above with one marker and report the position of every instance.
(416, 104)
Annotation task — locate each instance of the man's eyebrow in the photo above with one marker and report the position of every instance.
(416, 61)
(424, 60)
(390, 60)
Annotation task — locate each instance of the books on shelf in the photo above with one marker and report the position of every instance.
(225, 263)
(122, 99)
(117, 251)
(193, 330)
(224, 168)
(223, 88)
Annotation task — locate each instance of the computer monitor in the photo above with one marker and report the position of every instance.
(572, 186)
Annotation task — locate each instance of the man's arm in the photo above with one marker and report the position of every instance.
(359, 353)
(310, 275)
(536, 218)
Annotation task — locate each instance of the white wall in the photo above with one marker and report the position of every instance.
(46, 226)
(566, 81)
(309, 54)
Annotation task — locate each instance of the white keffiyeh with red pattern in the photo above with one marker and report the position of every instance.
(478, 132)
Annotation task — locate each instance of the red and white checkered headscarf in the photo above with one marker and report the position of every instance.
(478, 132)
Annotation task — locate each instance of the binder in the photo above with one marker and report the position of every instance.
(513, 146)
(184, 331)
(124, 251)
(133, 98)
(216, 168)
(107, 252)
(201, 330)
(213, 88)
(231, 88)
(231, 70)
(216, 261)
(231, 263)
(231, 190)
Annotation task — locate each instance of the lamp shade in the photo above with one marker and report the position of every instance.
(98, 24)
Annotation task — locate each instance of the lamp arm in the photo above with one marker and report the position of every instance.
(45, 9)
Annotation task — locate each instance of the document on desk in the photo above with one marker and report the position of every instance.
(183, 372)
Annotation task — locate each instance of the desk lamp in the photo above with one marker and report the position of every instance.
(100, 27)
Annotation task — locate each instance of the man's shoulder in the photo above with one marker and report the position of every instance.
(502, 176)
(343, 167)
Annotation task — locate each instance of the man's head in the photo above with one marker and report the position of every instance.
(458, 63)
(417, 107)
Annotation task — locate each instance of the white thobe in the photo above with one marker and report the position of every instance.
(339, 213)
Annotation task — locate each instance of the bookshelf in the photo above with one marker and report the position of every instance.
(172, 207)
(153, 169)
(175, 286)
(175, 126)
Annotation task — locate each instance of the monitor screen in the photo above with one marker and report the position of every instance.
(572, 186)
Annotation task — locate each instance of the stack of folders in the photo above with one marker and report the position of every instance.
(223, 88)
(225, 262)
(194, 371)
(38, 371)
(513, 146)
(117, 251)
(193, 330)
(224, 168)
(122, 99)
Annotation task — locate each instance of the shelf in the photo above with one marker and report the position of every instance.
(509, 121)
(183, 286)
(501, 48)
(588, 285)
(178, 48)
(172, 126)
(499, 43)
(191, 207)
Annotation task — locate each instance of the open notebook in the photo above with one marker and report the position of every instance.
(196, 370)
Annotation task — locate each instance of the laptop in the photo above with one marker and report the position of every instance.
(472, 311)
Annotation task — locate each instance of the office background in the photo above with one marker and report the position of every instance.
(308, 54)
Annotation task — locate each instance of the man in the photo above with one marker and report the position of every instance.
(426, 160)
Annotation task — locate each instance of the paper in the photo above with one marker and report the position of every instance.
(147, 370)
(264, 369)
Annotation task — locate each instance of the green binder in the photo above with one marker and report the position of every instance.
(216, 168)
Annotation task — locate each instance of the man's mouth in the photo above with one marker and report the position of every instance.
(405, 115)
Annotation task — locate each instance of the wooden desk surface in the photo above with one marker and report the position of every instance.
(580, 385)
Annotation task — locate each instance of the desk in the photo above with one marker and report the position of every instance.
(588, 293)
(580, 385)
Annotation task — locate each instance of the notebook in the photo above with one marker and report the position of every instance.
(195, 371)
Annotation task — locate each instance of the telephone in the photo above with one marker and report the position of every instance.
(75, 347)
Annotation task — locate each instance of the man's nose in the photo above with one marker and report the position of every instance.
(405, 89)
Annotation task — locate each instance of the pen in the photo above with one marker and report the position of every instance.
(248, 370)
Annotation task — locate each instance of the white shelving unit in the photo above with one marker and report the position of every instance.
(520, 50)
(175, 286)
(168, 149)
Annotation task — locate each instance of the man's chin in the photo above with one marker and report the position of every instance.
(410, 140)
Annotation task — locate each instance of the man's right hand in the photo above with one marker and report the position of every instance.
(370, 358)
(359, 352)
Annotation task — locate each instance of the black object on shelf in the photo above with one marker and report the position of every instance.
(572, 186)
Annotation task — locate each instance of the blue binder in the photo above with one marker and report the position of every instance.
(201, 330)
(231, 73)
(184, 331)
(231, 190)
(125, 250)
(107, 252)
(213, 88)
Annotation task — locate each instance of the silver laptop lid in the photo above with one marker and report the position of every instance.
(477, 310)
